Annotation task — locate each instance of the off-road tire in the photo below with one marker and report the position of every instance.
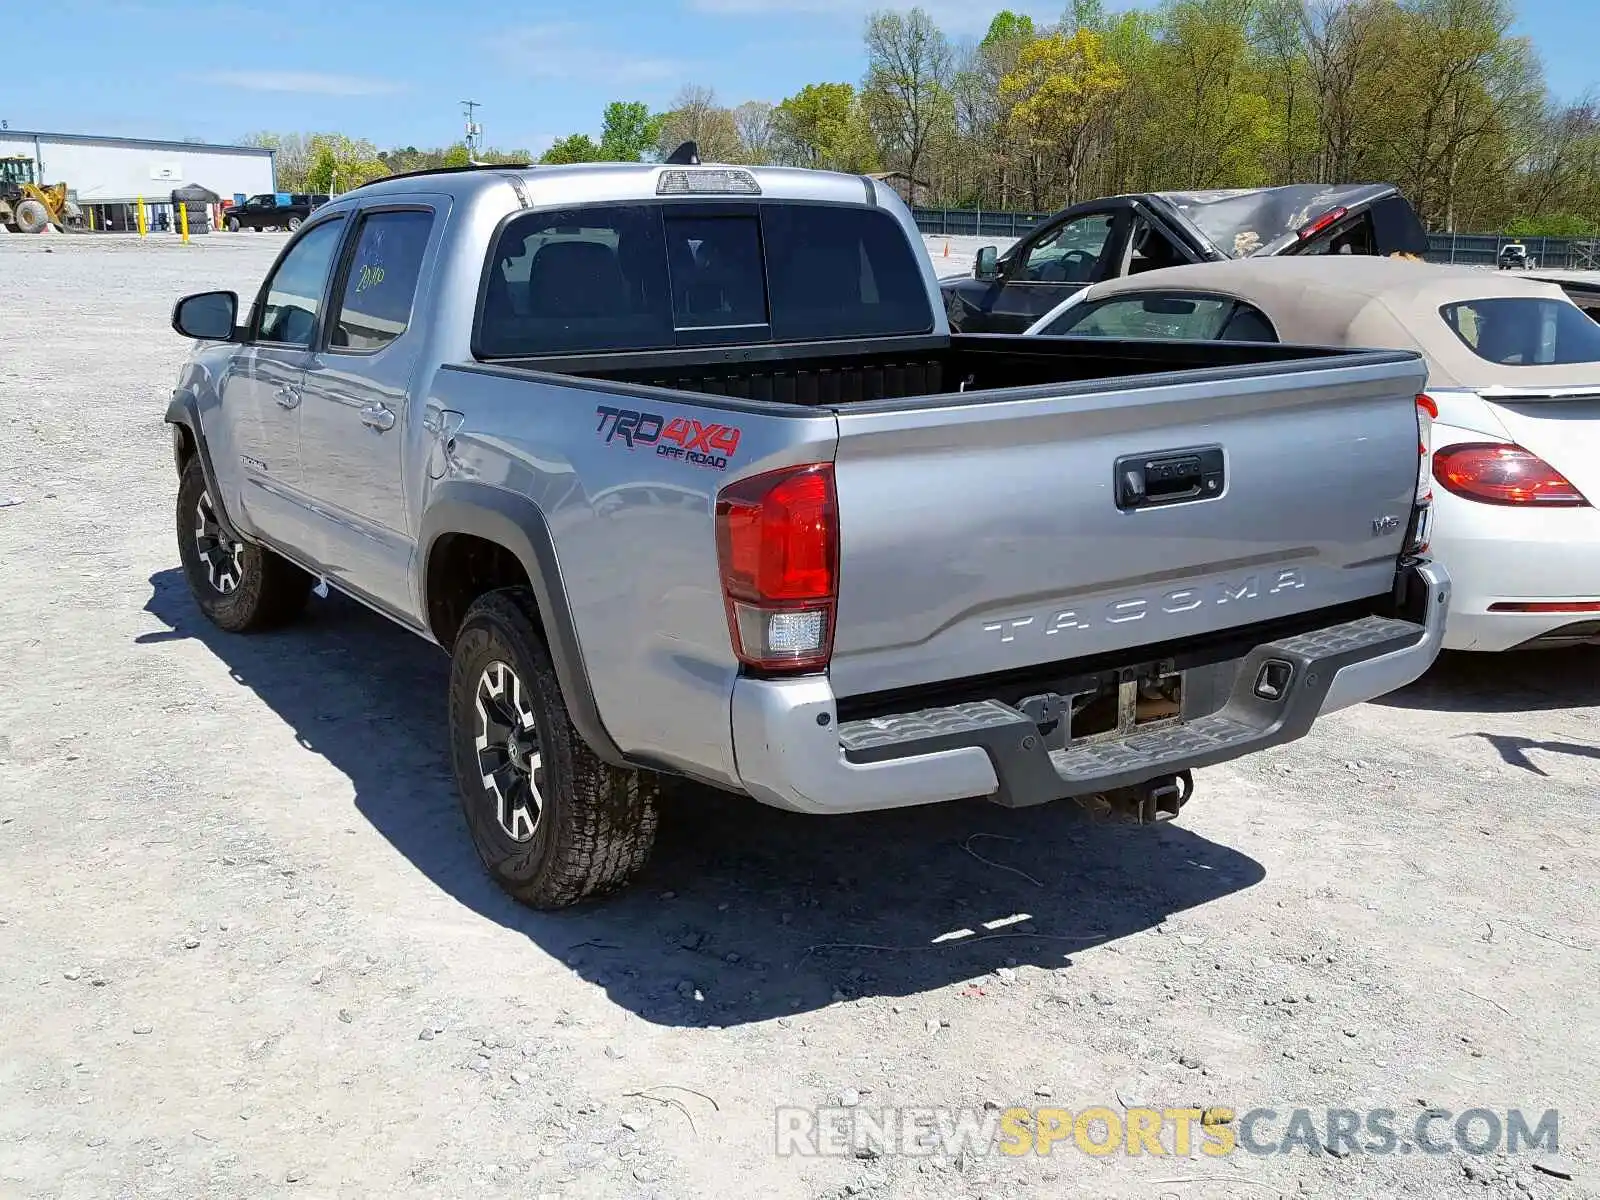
(32, 217)
(269, 590)
(596, 823)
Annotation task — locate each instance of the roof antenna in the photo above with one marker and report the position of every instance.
(686, 155)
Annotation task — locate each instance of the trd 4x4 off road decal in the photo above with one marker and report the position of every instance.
(681, 438)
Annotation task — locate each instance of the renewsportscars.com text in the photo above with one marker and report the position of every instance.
(1179, 1132)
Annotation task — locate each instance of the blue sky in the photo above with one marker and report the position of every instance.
(394, 71)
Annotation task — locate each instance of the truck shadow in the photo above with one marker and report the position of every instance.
(745, 913)
(1515, 681)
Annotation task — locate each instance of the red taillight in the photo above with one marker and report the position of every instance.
(1315, 227)
(1427, 414)
(778, 548)
(1499, 473)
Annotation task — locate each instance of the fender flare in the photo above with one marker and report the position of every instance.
(185, 411)
(517, 523)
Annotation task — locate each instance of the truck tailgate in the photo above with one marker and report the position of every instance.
(982, 533)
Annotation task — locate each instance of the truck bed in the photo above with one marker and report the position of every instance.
(825, 375)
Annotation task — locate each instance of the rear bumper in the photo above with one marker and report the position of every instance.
(793, 753)
(1504, 556)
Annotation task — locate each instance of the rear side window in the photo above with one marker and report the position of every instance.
(583, 279)
(651, 276)
(1202, 318)
(375, 305)
(1524, 331)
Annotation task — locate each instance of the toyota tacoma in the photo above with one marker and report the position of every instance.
(683, 468)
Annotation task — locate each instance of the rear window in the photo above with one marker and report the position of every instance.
(1525, 331)
(657, 276)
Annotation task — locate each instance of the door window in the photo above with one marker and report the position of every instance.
(293, 296)
(1070, 253)
(375, 302)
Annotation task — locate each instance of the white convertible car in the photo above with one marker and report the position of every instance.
(1513, 389)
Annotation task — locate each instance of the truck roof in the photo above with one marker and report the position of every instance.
(579, 183)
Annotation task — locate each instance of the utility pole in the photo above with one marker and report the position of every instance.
(474, 138)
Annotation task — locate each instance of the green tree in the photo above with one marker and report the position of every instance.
(1057, 91)
(629, 132)
(339, 163)
(823, 126)
(1008, 26)
(574, 148)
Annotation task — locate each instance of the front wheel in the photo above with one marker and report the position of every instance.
(239, 586)
(233, 224)
(552, 823)
(32, 217)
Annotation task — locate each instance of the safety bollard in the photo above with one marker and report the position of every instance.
(90, 212)
(183, 219)
(143, 226)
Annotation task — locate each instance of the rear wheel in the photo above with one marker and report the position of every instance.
(552, 823)
(239, 586)
(294, 223)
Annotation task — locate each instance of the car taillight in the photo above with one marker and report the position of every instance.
(1427, 414)
(778, 549)
(1421, 528)
(1500, 473)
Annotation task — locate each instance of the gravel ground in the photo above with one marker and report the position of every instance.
(246, 949)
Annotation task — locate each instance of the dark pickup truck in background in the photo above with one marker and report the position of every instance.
(265, 211)
(1125, 235)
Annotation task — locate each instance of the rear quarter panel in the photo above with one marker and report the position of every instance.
(634, 537)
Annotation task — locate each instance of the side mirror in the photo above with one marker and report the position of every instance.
(986, 265)
(207, 316)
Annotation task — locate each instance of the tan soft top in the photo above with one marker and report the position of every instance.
(1364, 300)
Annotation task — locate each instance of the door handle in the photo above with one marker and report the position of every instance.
(1168, 477)
(376, 416)
(288, 396)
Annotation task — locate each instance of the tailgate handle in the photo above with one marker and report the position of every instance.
(1168, 477)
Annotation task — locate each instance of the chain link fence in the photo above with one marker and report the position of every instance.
(1467, 249)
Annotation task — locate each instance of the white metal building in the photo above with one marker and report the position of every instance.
(109, 173)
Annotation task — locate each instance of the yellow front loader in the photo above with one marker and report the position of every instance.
(27, 206)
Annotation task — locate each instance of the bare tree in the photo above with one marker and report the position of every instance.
(1343, 49)
(907, 85)
(696, 117)
(752, 121)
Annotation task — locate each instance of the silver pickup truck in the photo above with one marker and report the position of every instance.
(684, 469)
